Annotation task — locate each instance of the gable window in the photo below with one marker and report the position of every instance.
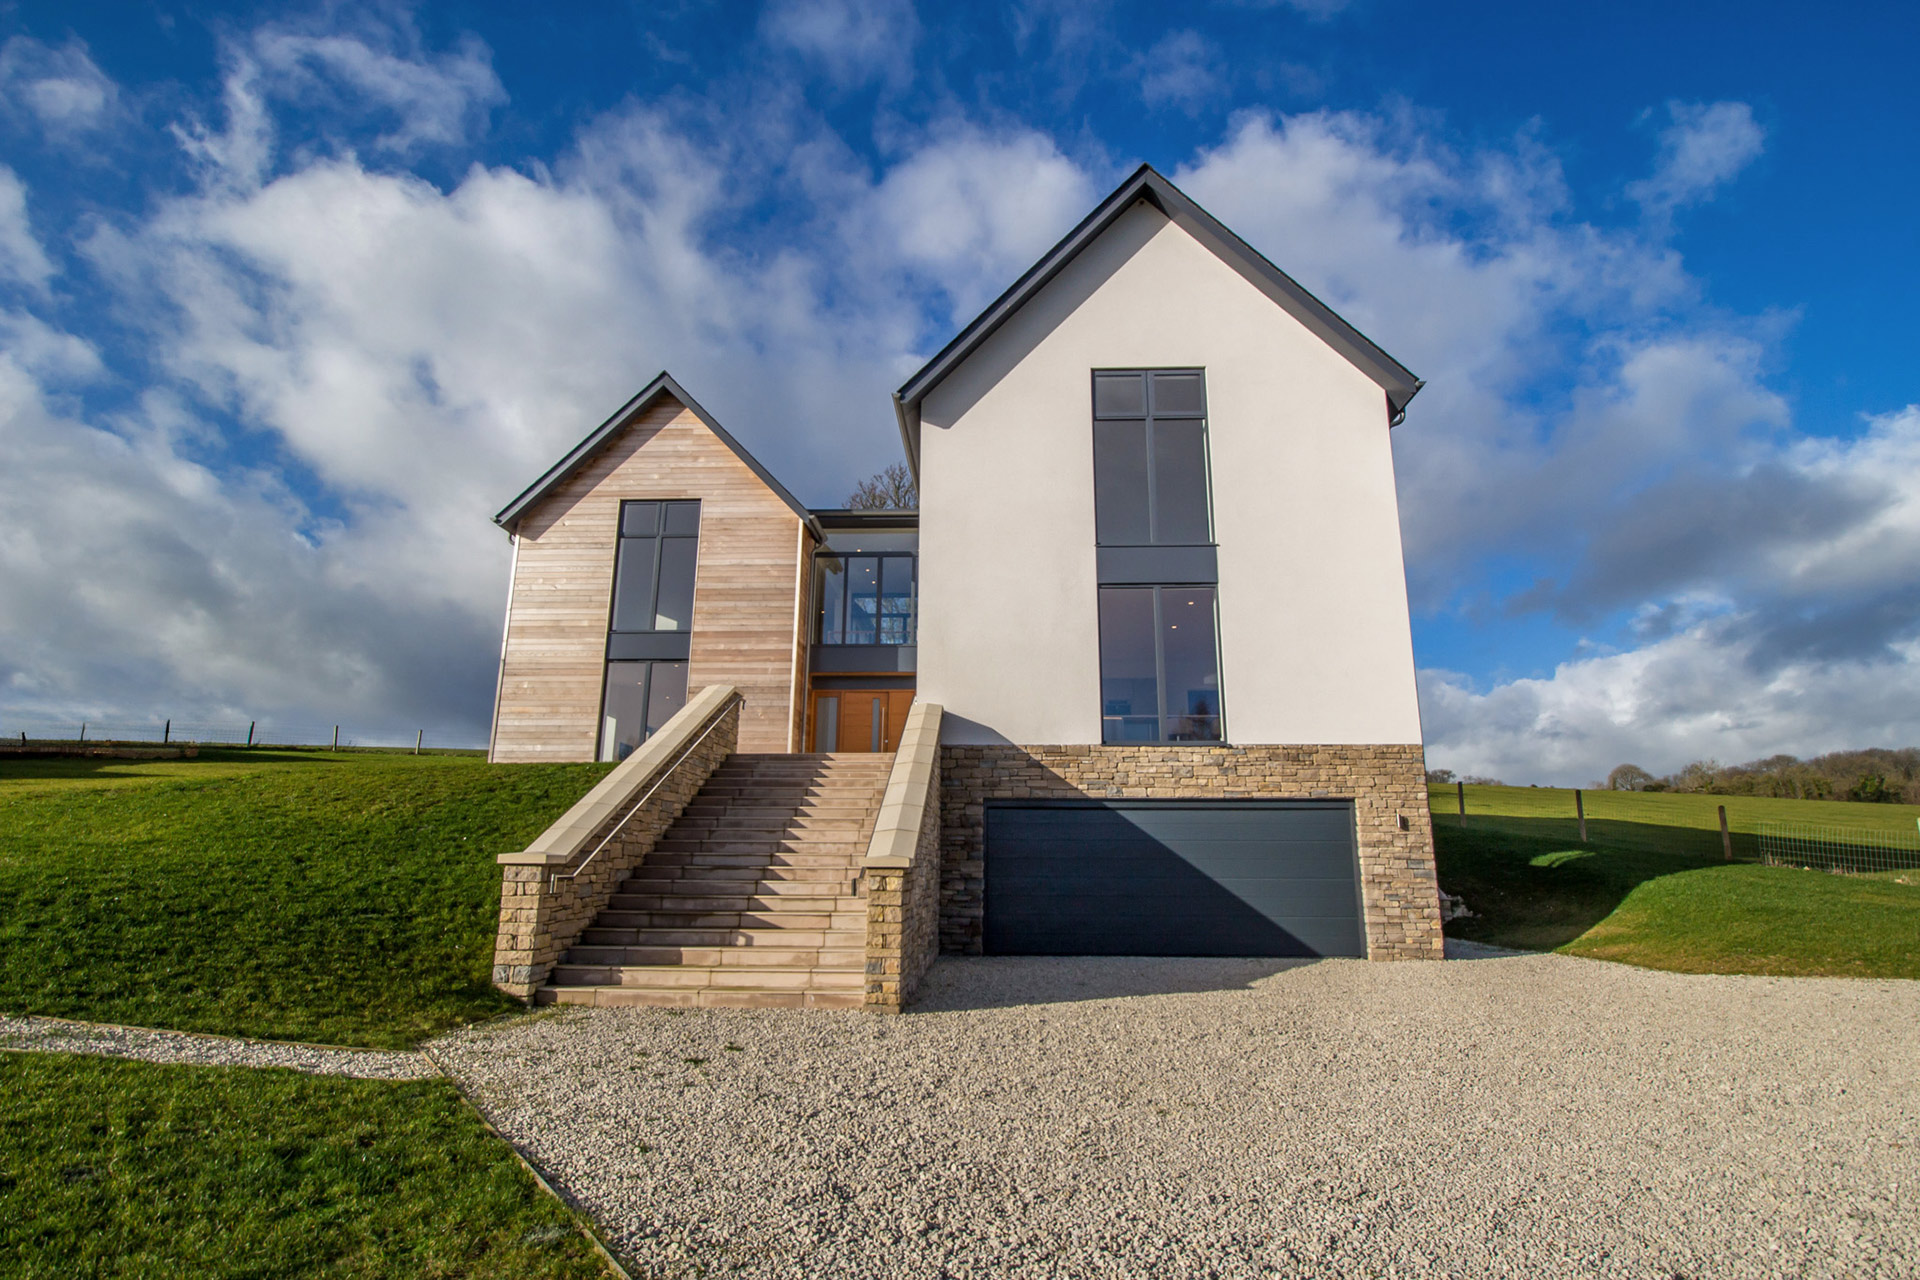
(649, 634)
(1150, 458)
(1159, 665)
(653, 572)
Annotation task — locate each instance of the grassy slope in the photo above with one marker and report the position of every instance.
(349, 898)
(133, 1169)
(1652, 886)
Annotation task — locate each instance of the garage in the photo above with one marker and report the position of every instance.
(1172, 878)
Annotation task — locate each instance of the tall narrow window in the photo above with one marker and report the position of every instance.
(1159, 665)
(1150, 458)
(648, 641)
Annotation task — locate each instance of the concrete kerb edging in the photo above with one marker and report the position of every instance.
(581, 1221)
(901, 869)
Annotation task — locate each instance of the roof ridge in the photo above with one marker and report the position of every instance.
(662, 385)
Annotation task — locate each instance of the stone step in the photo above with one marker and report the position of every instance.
(840, 885)
(770, 848)
(711, 898)
(796, 791)
(620, 947)
(754, 807)
(674, 859)
(718, 977)
(754, 919)
(658, 877)
(744, 940)
(608, 997)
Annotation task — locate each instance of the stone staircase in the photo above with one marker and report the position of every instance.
(751, 899)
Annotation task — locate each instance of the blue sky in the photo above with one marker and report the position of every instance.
(292, 298)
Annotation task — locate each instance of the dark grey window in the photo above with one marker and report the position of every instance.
(865, 599)
(654, 569)
(640, 697)
(1159, 665)
(1150, 458)
(649, 634)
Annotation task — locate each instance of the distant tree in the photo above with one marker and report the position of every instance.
(1873, 789)
(889, 490)
(1440, 777)
(1628, 777)
(1475, 780)
(1701, 775)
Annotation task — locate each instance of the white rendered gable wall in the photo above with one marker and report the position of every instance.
(1315, 643)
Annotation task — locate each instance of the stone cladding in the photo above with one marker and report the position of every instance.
(1400, 895)
(901, 875)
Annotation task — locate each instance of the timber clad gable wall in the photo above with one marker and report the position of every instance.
(752, 551)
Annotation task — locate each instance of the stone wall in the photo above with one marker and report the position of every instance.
(1400, 895)
(902, 868)
(540, 918)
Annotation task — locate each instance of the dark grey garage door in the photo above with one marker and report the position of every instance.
(1172, 878)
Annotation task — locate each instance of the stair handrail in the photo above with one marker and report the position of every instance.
(666, 772)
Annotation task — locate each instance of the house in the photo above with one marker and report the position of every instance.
(1154, 585)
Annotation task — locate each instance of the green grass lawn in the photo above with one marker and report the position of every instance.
(111, 1168)
(1652, 886)
(348, 898)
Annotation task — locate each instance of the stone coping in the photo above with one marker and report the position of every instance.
(896, 831)
(568, 837)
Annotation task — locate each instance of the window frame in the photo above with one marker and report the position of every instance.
(652, 666)
(909, 632)
(659, 539)
(1160, 667)
(1147, 417)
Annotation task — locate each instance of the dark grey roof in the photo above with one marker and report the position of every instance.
(867, 518)
(664, 385)
(1148, 184)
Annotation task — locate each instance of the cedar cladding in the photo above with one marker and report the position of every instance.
(751, 556)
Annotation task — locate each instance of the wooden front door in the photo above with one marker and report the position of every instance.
(858, 719)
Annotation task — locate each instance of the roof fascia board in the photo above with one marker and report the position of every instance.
(1147, 184)
(663, 385)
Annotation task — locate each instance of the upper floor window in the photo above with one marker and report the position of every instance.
(865, 599)
(653, 572)
(1150, 457)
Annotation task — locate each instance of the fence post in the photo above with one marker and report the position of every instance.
(1460, 791)
(1726, 841)
(336, 737)
(166, 733)
(250, 725)
(1580, 812)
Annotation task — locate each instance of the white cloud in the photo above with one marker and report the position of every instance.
(855, 41)
(1704, 146)
(1695, 695)
(61, 89)
(971, 211)
(1798, 629)
(382, 73)
(1183, 69)
(432, 98)
(21, 257)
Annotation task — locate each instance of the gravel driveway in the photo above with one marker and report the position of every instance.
(1522, 1115)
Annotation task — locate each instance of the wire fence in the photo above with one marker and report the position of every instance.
(1846, 849)
(32, 731)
